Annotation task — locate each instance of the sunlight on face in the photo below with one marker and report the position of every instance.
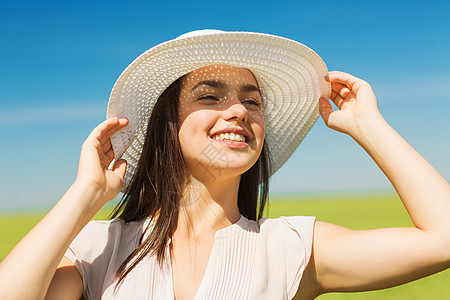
(221, 121)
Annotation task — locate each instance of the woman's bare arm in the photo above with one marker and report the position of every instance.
(66, 283)
(27, 271)
(351, 260)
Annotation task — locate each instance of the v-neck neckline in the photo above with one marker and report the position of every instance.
(220, 234)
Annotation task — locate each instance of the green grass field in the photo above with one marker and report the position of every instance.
(356, 211)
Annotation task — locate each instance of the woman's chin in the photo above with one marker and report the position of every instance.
(220, 171)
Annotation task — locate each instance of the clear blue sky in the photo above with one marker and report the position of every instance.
(60, 59)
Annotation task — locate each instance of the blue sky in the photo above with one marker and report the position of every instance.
(60, 60)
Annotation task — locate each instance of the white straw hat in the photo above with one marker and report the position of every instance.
(290, 75)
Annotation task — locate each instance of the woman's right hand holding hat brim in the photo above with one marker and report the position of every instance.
(96, 156)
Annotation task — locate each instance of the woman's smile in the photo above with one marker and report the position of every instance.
(231, 143)
(232, 137)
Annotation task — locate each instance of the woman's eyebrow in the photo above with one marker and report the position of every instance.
(221, 85)
(250, 88)
(212, 83)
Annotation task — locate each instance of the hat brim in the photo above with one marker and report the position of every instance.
(290, 75)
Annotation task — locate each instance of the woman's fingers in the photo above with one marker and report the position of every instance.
(353, 97)
(343, 78)
(356, 85)
(107, 128)
(350, 88)
(325, 109)
(102, 133)
(109, 155)
(120, 168)
(107, 135)
(340, 94)
(102, 128)
(104, 153)
(107, 145)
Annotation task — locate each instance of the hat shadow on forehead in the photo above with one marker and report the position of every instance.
(220, 73)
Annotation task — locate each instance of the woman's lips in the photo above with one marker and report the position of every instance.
(230, 143)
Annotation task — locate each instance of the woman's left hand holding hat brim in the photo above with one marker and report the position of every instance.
(355, 101)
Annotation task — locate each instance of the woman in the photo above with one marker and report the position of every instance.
(193, 163)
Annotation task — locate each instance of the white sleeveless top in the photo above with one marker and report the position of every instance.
(262, 259)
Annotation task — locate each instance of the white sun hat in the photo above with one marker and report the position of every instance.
(290, 75)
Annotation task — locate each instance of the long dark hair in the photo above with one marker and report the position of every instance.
(153, 193)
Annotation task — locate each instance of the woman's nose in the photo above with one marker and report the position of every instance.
(236, 110)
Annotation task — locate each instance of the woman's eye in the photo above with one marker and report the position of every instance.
(208, 97)
(252, 102)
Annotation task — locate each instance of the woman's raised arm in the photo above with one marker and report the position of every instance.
(351, 260)
(27, 271)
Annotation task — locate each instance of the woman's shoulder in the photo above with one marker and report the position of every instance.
(290, 231)
(109, 228)
(99, 236)
(283, 228)
(284, 249)
(115, 224)
(286, 223)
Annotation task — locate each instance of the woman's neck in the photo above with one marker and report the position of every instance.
(206, 208)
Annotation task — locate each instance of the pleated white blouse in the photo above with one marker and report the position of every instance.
(262, 259)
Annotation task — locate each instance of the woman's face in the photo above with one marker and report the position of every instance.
(221, 121)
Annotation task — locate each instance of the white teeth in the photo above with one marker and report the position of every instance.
(229, 136)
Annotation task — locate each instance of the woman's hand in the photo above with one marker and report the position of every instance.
(96, 156)
(355, 100)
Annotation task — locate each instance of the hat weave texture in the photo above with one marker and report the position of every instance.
(290, 75)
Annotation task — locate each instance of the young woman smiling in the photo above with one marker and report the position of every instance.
(195, 128)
